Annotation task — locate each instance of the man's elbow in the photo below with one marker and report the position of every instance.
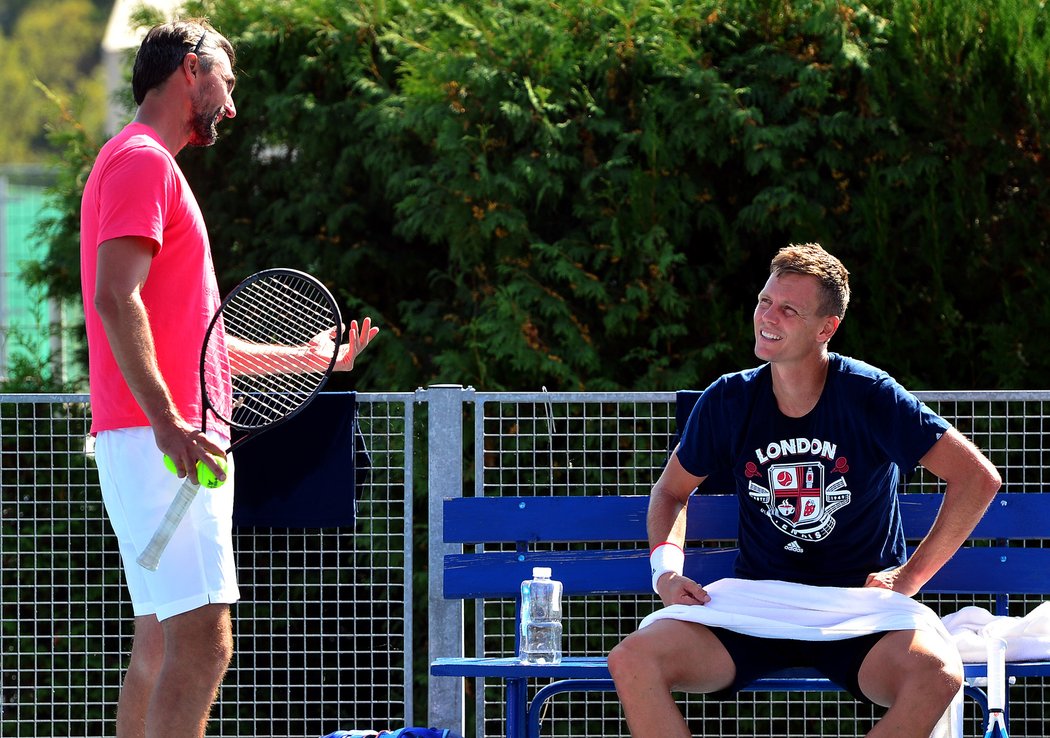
(110, 306)
(990, 480)
(105, 305)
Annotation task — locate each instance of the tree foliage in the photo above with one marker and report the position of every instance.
(54, 44)
(586, 194)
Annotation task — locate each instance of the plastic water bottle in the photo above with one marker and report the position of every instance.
(540, 637)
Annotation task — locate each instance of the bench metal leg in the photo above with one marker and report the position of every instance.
(517, 706)
(978, 696)
(535, 710)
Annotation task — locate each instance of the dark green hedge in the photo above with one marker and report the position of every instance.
(586, 194)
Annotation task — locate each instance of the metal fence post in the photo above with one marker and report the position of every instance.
(445, 703)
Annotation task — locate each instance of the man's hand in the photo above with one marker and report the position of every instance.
(896, 580)
(185, 446)
(315, 355)
(677, 589)
(357, 341)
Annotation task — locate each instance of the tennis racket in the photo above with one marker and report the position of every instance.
(996, 688)
(268, 351)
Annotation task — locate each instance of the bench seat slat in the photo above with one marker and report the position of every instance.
(500, 574)
(597, 667)
(1016, 516)
(571, 667)
(989, 570)
(511, 519)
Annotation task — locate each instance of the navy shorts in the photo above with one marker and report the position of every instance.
(756, 657)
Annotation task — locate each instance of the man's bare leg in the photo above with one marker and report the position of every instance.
(198, 646)
(147, 655)
(664, 656)
(916, 674)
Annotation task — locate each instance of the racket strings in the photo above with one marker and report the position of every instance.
(312, 314)
(255, 316)
(282, 336)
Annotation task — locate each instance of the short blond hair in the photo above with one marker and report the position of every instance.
(811, 259)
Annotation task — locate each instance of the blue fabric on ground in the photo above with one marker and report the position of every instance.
(399, 733)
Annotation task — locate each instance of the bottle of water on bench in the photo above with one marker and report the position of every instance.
(540, 637)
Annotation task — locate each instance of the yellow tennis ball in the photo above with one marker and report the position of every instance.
(205, 476)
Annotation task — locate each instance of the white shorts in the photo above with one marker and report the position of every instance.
(198, 567)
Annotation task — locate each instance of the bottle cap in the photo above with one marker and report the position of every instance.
(541, 572)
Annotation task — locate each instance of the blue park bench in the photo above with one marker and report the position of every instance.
(505, 537)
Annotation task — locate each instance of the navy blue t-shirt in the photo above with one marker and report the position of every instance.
(818, 494)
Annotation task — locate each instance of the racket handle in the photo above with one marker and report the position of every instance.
(996, 648)
(150, 557)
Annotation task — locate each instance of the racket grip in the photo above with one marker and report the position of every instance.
(996, 673)
(150, 557)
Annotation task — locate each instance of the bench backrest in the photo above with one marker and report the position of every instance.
(511, 535)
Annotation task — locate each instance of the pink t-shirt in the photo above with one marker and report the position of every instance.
(136, 189)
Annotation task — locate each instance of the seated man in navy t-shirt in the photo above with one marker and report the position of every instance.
(815, 444)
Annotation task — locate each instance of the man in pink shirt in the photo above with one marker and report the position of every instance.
(149, 292)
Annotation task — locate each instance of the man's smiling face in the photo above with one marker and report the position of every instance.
(788, 325)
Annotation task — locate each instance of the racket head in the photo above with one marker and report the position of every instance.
(269, 349)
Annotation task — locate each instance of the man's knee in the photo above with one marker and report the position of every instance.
(202, 637)
(674, 655)
(918, 667)
(224, 649)
(147, 651)
(951, 676)
(937, 680)
(221, 642)
(624, 659)
(943, 666)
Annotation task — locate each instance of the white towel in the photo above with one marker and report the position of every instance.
(773, 609)
(1027, 638)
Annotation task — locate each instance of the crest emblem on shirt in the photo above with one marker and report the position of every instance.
(798, 501)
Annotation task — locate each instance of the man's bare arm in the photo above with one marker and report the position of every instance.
(666, 522)
(123, 265)
(971, 482)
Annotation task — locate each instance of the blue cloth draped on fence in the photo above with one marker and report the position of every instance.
(304, 473)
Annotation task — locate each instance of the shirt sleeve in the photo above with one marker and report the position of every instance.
(698, 451)
(136, 190)
(905, 427)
